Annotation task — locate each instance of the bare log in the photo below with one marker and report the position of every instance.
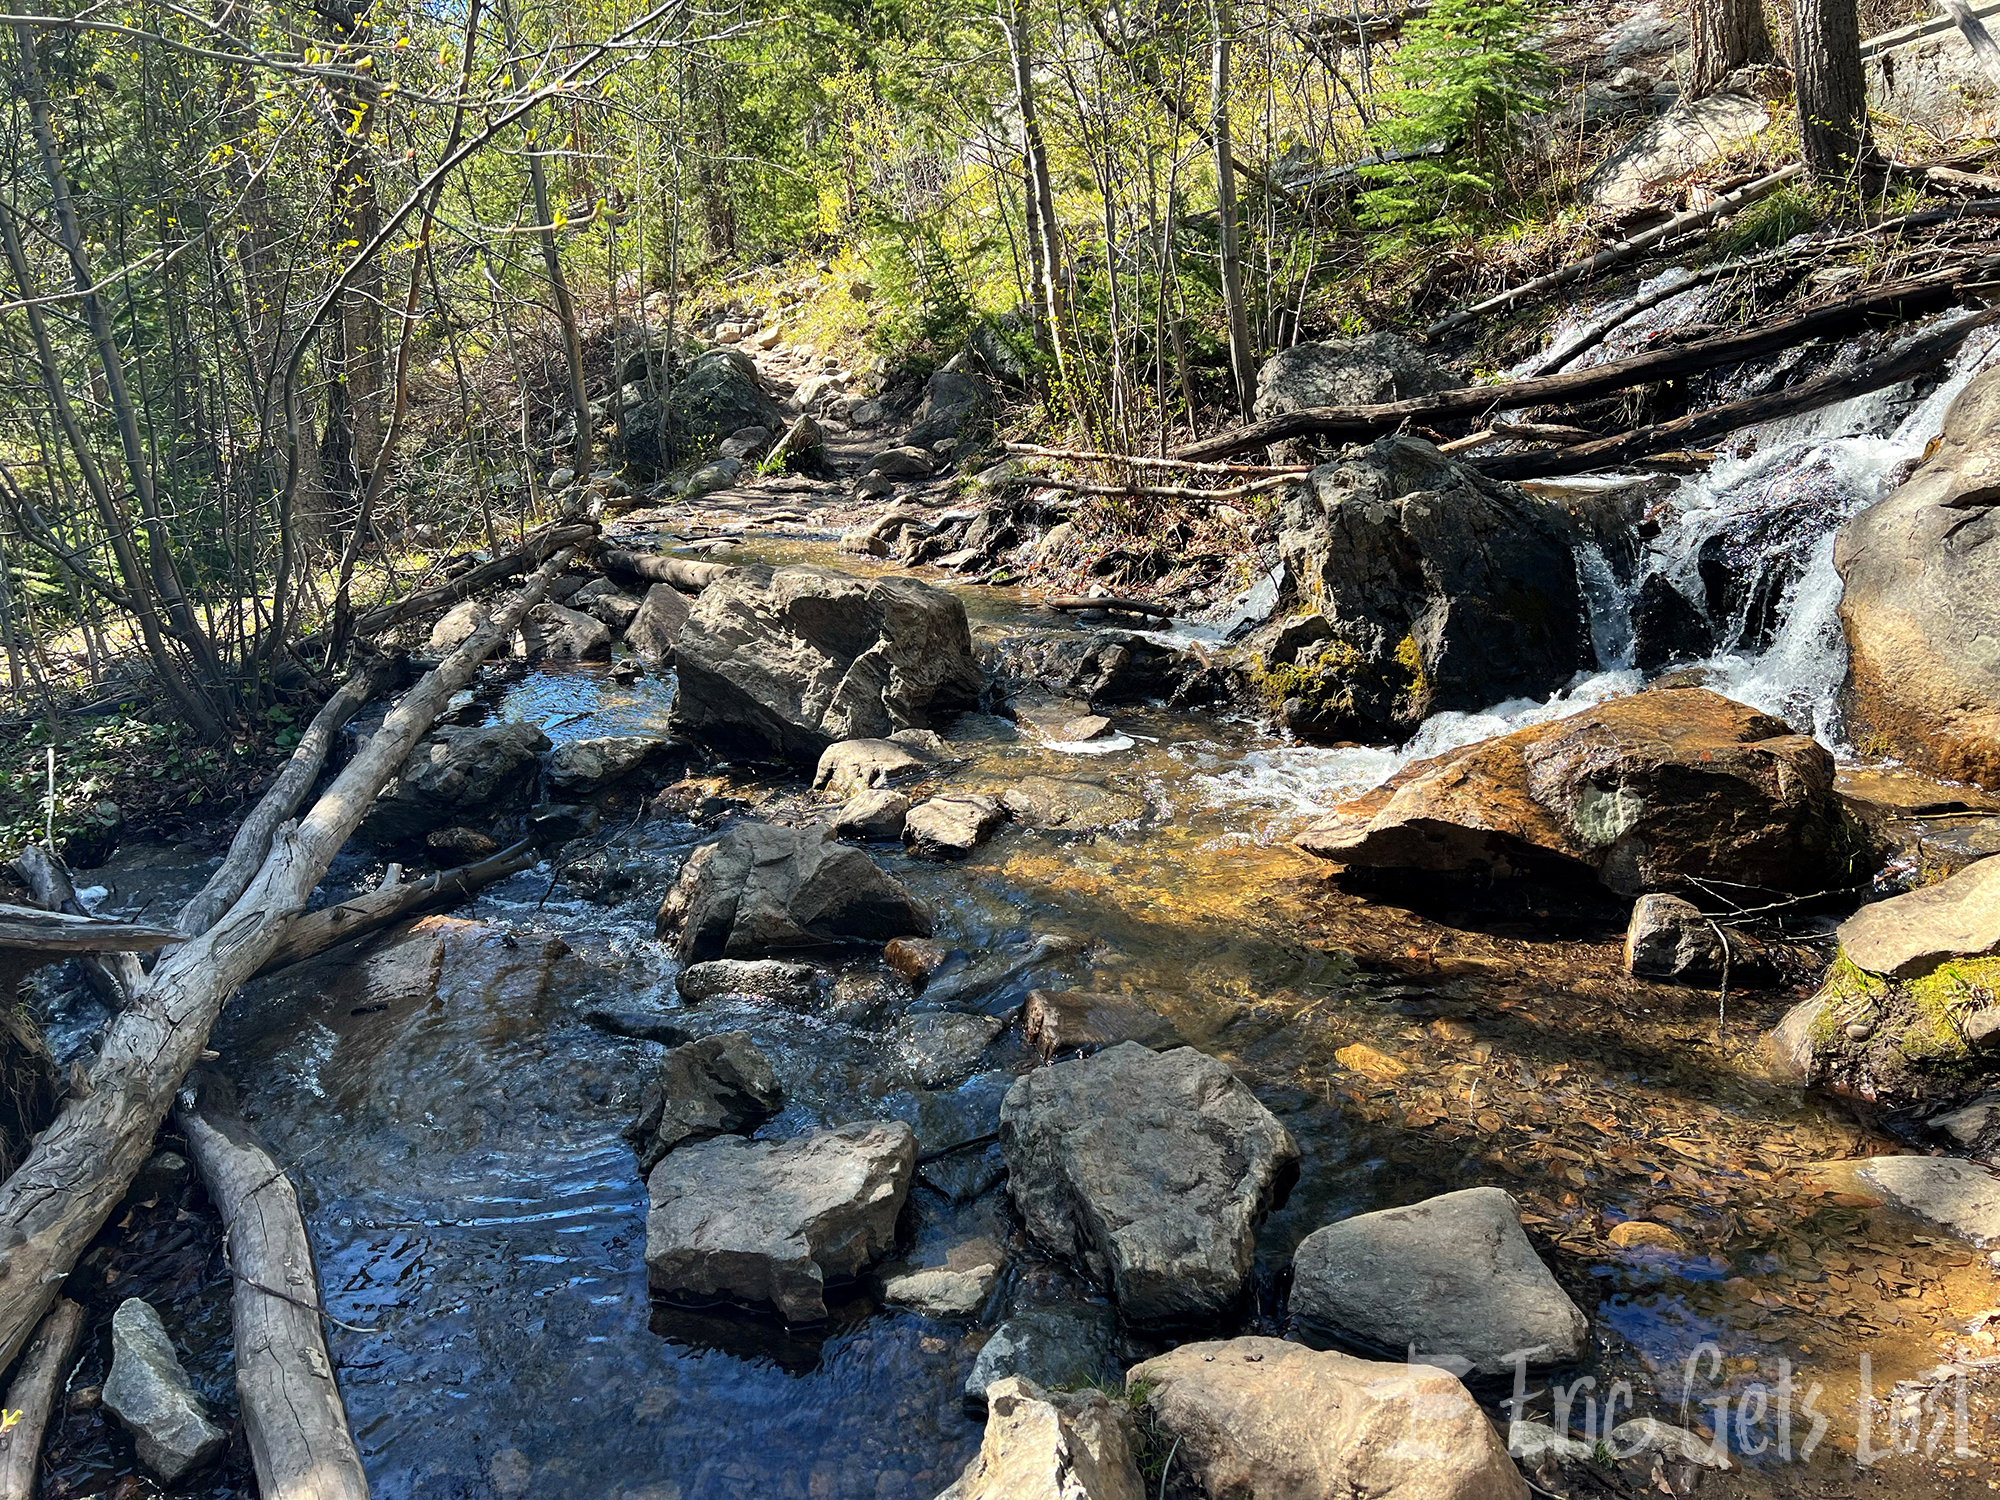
(1147, 461)
(1977, 37)
(1915, 357)
(1174, 491)
(253, 835)
(1072, 602)
(61, 934)
(113, 974)
(293, 1416)
(530, 554)
(690, 577)
(80, 1167)
(390, 902)
(1907, 298)
(31, 1397)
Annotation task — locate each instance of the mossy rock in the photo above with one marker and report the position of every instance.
(1921, 1045)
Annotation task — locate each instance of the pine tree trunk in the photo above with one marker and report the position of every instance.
(1832, 93)
(1241, 361)
(1728, 34)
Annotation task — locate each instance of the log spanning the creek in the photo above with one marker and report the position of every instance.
(685, 574)
(537, 549)
(80, 1167)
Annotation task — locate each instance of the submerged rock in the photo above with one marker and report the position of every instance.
(763, 888)
(1056, 1346)
(1644, 793)
(1066, 1023)
(780, 665)
(775, 1222)
(1259, 1417)
(720, 1085)
(1152, 1169)
(1453, 1278)
(148, 1392)
(1050, 1445)
(1079, 806)
(942, 1047)
(952, 825)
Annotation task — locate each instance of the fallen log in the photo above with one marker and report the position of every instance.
(44, 1369)
(1913, 358)
(63, 935)
(293, 1416)
(690, 577)
(1907, 298)
(1148, 461)
(112, 973)
(80, 1166)
(1173, 491)
(1977, 37)
(1070, 603)
(530, 554)
(315, 932)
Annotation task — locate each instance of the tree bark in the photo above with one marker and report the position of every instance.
(1044, 232)
(1728, 34)
(1832, 91)
(33, 1395)
(79, 1168)
(1242, 362)
(688, 576)
(529, 554)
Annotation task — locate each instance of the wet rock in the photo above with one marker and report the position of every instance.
(639, 1023)
(657, 625)
(989, 974)
(1253, 606)
(1453, 1277)
(457, 624)
(1641, 792)
(1911, 934)
(1105, 669)
(1669, 938)
(1971, 1125)
(1056, 802)
(1672, 1443)
(953, 400)
(942, 1047)
(718, 393)
(864, 543)
(148, 1392)
(1962, 1197)
(710, 478)
(1048, 1445)
(781, 666)
(903, 463)
(762, 888)
(1921, 602)
(964, 1175)
(720, 1085)
(488, 772)
(581, 769)
(960, 1288)
(616, 611)
(951, 826)
(916, 959)
(1259, 1417)
(1667, 627)
(1645, 1234)
(858, 765)
(793, 985)
(774, 1222)
(1055, 1346)
(460, 845)
(1082, 730)
(1365, 371)
(1153, 1169)
(1685, 139)
(872, 816)
(1441, 589)
(1072, 1023)
(554, 632)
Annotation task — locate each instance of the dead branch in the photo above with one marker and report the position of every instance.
(44, 1369)
(112, 974)
(1146, 461)
(61, 934)
(1174, 491)
(530, 554)
(1073, 602)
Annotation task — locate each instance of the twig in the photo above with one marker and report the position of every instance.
(1174, 492)
(1149, 461)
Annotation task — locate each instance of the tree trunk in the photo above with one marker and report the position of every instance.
(1832, 92)
(32, 1396)
(1045, 252)
(1728, 34)
(1242, 361)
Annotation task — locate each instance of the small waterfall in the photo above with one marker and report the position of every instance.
(1610, 607)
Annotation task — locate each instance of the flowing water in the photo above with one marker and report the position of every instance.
(479, 1223)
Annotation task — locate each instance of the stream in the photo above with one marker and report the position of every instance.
(479, 1221)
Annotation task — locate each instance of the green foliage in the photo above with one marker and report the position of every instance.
(1771, 221)
(1468, 72)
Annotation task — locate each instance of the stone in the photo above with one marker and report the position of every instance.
(1072, 1023)
(775, 1222)
(486, 772)
(872, 816)
(860, 765)
(916, 959)
(1268, 1420)
(578, 769)
(1674, 1444)
(762, 888)
(952, 825)
(794, 985)
(459, 844)
(1687, 138)
(1643, 793)
(556, 633)
(1047, 1445)
(1365, 371)
(615, 611)
(1670, 938)
(953, 400)
(1079, 806)
(863, 542)
(1969, 1124)
(1909, 935)
(802, 448)
(1533, 1444)
(778, 666)
(1253, 606)
(457, 624)
(1082, 730)
(745, 444)
(942, 1047)
(1962, 1197)
(873, 486)
(1667, 627)
(148, 1392)
(1102, 668)
(718, 393)
(1152, 1169)
(720, 1085)
(1452, 1277)
(1440, 589)
(1645, 1234)
(710, 478)
(960, 1288)
(1056, 1346)
(903, 463)
(657, 625)
(1921, 601)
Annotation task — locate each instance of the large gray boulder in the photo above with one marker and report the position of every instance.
(1453, 1277)
(1909, 935)
(717, 394)
(1434, 587)
(763, 888)
(720, 1085)
(779, 665)
(578, 769)
(148, 1392)
(657, 625)
(1153, 1169)
(457, 774)
(1051, 1445)
(1365, 371)
(775, 1222)
(953, 401)
(1264, 1419)
(1921, 601)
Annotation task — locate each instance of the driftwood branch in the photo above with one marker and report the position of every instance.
(81, 1165)
(690, 577)
(530, 554)
(32, 1396)
(293, 1416)
(62, 935)
(1903, 299)
(1073, 602)
(318, 931)
(112, 973)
